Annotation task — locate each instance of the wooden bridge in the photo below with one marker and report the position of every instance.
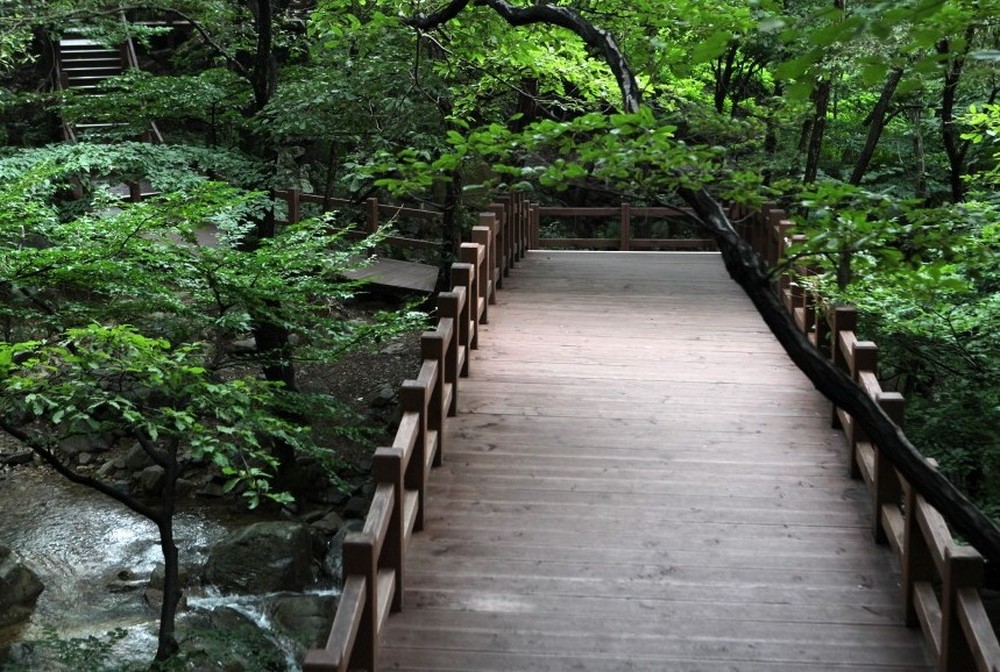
(635, 477)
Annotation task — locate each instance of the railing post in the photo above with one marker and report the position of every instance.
(448, 307)
(781, 232)
(500, 241)
(468, 253)
(293, 198)
(917, 564)
(885, 483)
(841, 318)
(534, 243)
(963, 568)
(625, 227)
(359, 558)
(388, 468)
(432, 347)
(483, 235)
(371, 215)
(413, 399)
(865, 357)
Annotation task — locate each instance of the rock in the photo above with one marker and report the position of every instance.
(212, 490)
(262, 558)
(76, 444)
(333, 564)
(385, 396)
(106, 469)
(394, 349)
(225, 640)
(19, 588)
(245, 346)
(329, 524)
(304, 618)
(137, 459)
(356, 507)
(151, 479)
(83, 459)
(185, 488)
(156, 577)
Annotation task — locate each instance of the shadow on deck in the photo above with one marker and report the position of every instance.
(639, 479)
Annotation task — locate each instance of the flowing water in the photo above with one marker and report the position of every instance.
(95, 557)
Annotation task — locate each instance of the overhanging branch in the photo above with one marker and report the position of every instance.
(745, 268)
(597, 39)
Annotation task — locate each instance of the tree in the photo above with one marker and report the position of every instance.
(119, 326)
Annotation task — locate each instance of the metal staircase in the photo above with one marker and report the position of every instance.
(82, 65)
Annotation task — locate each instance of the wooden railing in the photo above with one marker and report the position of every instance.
(375, 215)
(942, 580)
(626, 215)
(374, 558)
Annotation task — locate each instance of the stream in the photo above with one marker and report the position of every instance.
(95, 557)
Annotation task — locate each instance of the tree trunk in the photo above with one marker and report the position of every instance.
(821, 98)
(920, 159)
(876, 123)
(166, 639)
(451, 228)
(954, 149)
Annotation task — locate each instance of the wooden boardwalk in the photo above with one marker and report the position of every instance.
(639, 479)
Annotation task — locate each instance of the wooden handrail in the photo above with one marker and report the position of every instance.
(626, 214)
(942, 580)
(374, 558)
(373, 211)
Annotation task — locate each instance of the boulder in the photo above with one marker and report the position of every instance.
(19, 588)
(329, 524)
(262, 558)
(227, 640)
(304, 618)
(150, 481)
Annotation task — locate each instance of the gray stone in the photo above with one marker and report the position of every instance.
(329, 524)
(156, 577)
(225, 640)
(386, 396)
(19, 588)
(357, 507)
(83, 459)
(151, 480)
(245, 346)
(212, 489)
(185, 487)
(137, 459)
(304, 618)
(395, 349)
(107, 468)
(76, 444)
(262, 558)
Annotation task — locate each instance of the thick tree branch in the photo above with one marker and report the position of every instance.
(745, 268)
(39, 447)
(598, 39)
(877, 122)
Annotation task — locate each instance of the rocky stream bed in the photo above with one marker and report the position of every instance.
(80, 575)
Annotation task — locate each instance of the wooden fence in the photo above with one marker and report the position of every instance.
(375, 215)
(626, 216)
(942, 581)
(374, 558)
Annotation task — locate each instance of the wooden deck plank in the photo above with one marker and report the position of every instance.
(639, 479)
